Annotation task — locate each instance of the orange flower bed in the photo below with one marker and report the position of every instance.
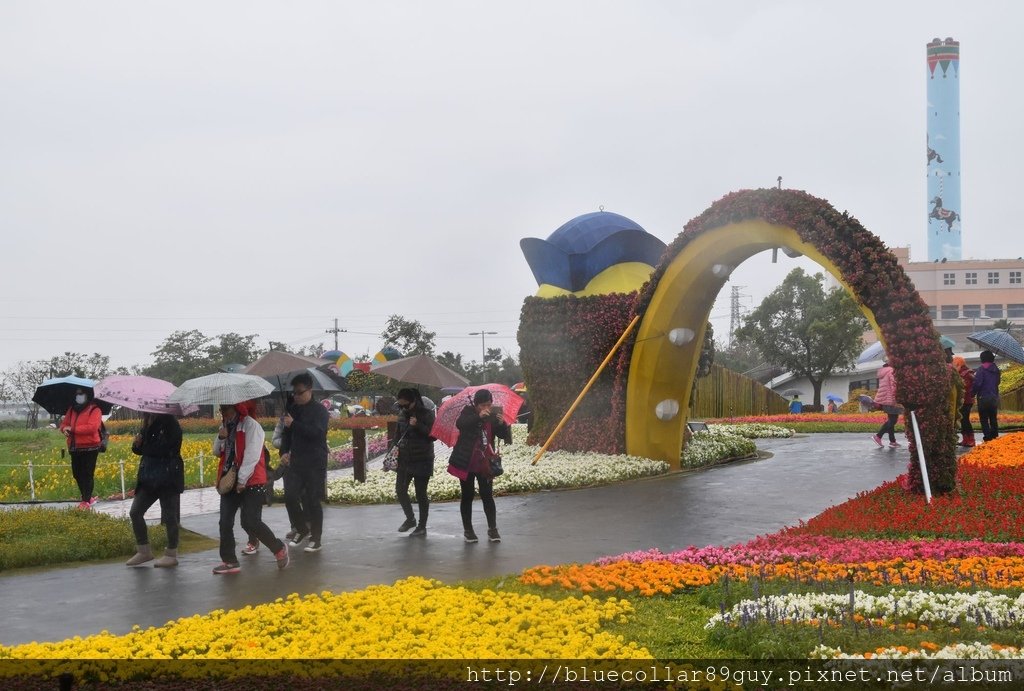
(1007, 450)
(663, 578)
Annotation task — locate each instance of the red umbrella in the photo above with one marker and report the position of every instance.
(444, 423)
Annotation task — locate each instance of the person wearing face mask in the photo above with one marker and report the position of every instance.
(415, 458)
(478, 425)
(81, 425)
(239, 444)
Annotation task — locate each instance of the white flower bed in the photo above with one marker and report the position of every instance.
(981, 608)
(711, 446)
(753, 430)
(958, 651)
(556, 470)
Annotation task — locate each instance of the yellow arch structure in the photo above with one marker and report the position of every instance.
(668, 342)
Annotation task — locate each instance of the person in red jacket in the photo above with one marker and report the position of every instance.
(239, 444)
(967, 374)
(81, 425)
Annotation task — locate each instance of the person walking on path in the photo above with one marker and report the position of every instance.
(239, 444)
(478, 426)
(967, 376)
(161, 478)
(986, 390)
(885, 398)
(81, 425)
(415, 458)
(304, 451)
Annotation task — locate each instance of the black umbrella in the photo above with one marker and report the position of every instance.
(1001, 342)
(321, 382)
(55, 396)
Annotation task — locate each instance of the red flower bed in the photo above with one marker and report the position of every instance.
(987, 505)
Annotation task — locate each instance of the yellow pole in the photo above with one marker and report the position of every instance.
(576, 403)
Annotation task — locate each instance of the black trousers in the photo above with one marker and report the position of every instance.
(303, 488)
(251, 504)
(988, 409)
(83, 468)
(889, 426)
(966, 428)
(297, 517)
(486, 485)
(170, 514)
(402, 480)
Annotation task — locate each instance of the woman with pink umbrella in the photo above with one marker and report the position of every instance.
(478, 424)
(161, 476)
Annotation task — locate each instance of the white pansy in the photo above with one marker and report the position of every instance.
(556, 470)
(752, 430)
(958, 651)
(981, 608)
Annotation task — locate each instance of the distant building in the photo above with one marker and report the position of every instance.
(968, 295)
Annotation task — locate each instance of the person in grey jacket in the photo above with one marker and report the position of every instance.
(415, 458)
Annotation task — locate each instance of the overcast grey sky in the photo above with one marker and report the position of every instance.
(266, 167)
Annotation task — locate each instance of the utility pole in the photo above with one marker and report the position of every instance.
(335, 331)
(734, 313)
(483, 346)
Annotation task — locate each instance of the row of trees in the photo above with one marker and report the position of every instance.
(188, 354)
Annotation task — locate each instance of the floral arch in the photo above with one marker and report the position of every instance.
(660, 359)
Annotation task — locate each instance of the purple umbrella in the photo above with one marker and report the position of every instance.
(144, 394)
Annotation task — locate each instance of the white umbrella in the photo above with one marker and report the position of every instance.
(222, 388)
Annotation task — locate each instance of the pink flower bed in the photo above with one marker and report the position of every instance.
(773, 549)
(342, 458)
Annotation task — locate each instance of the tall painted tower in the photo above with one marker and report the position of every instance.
(944, 229)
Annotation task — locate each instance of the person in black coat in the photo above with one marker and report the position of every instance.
(478, 425)
(161, 478)
(415, 458)
(304, 452)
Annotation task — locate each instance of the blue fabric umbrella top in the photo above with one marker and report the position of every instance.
(999, 341)
(834, 398)
(587, 245)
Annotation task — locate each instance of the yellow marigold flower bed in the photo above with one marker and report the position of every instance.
(414, 618)
(663, 578)
(1006, 450)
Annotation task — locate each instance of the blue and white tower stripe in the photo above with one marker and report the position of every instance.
(944, 215)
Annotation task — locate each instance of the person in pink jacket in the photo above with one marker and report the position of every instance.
(885, 398)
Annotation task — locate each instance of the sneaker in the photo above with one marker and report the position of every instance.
(297, 539)
(492, 535)
(877, 439)
(471, 536)
(226, 568)
(250, 548)
(282, 556)
(84, 505)
(290, 535)
(313, 546)
(421, 531)
(409, 524)
(894, 444)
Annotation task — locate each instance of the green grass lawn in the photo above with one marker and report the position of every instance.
(38, 536)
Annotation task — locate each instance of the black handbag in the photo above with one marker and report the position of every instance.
(492, 455)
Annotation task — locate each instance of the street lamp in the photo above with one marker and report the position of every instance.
(483, 346)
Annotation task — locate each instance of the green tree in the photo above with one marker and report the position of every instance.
(805, 329)
(231, 348)
(408, 336)
(183, 355)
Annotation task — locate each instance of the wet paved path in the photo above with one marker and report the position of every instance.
(722, 505)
